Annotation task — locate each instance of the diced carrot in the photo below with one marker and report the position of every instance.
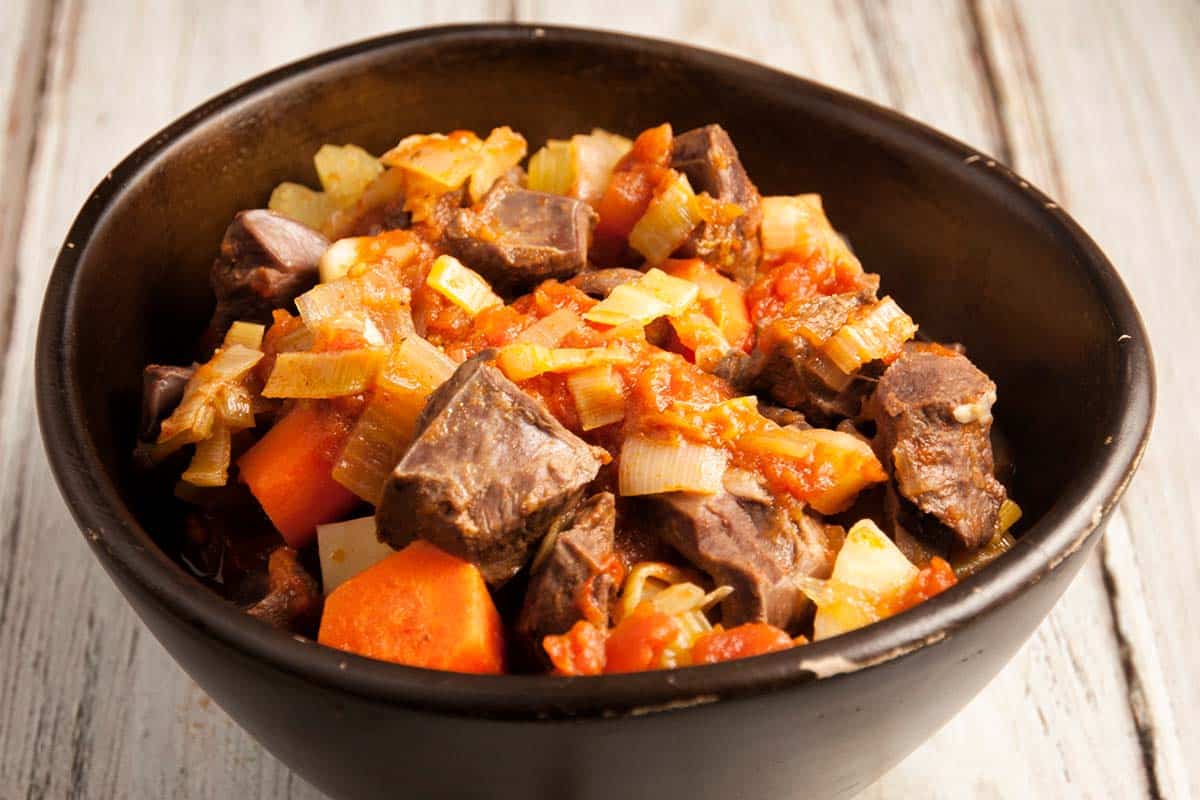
(652, 146)
(633, 184)
(638, 641)
(290, 471)
(579, 651)
(722, 299)
(751, 639)
(421, 607)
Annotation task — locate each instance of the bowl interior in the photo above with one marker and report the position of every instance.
(971, 255)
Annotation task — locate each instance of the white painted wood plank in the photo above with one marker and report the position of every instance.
(1036, 730)
(90, 705)
(1118, 121)
(23, 43)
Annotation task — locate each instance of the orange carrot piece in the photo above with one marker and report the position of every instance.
(421, 607)
(290, 472)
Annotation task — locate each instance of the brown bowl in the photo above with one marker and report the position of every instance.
(964, 245)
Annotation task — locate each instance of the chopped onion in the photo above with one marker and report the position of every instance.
(345, 172)
(348, 548)
(655, 294)
(502, 150)
(868, 570)
(461, 285)
(552, 169)
(520, 362)
(668, 221)
(247, 334)
(383, 432)
(598, 396)
(322, 375)
(879, 333)
(550, 329)
(977, 559)
(595, 156)
(302, 204)
(447, 161)
(653, 466)
(416, 365)
(328, 301)
(337, 261)
(376, 444)
(210, 464)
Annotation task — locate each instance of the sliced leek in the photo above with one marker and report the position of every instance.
(323, 375)
(247, 334)
(879, 333)
(502, 150)
(461, 285)
(210, 464)
(599, 399)
(654, 466)
(550, 329)
(552, 169)
(668, 221)
(655, 294)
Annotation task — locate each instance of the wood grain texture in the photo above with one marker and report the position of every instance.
(1064, 697)
(1094, 103)
(1112, 125)
(90, 705)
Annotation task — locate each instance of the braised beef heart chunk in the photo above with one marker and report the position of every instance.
(575, 580)
(519, 238)
(791, 371)
(710, 161)
(752, 547)
(487, 474)
(599, 283)
(162, 389)
(932, 409)
(266, 261)
(293, 601)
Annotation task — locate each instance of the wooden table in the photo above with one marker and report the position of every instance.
(1094, 102)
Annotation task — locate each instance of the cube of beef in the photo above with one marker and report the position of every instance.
(266, 261)
(792, 371)
(575, 579)
(519, 238)
(752, 547)
(162, 391)
(932, 410)
(710, 161)
(489, 472)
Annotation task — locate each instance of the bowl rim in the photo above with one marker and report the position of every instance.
(118, 539)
